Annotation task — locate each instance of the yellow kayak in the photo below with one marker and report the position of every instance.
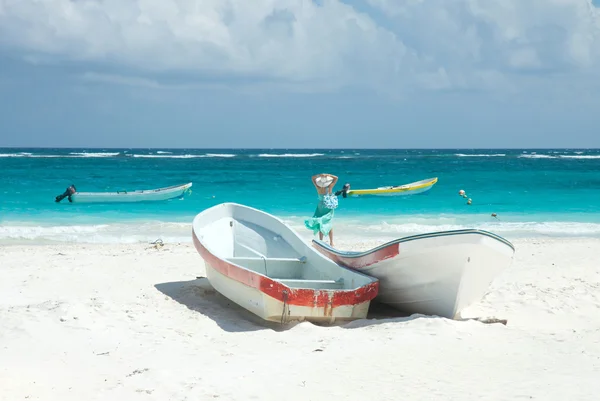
(407, 189)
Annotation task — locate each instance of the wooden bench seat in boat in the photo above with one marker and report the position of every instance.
(288, 271)
(314, 284)
(253, 258)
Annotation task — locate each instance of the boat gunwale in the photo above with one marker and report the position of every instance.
(171, 188)
(356, 255)
(306, 297)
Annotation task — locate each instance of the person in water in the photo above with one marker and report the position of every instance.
(321, 222)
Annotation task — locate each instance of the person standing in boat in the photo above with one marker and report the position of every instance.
(321, 221)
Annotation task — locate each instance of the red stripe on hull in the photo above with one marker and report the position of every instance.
(363, 261)
(292, 296)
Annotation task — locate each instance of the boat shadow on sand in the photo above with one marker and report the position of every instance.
(199, 296)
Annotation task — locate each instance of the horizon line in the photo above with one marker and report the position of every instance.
(319, 149)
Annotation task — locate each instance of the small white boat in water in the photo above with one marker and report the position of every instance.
(439, 273)
(261, 264)
(145, 195)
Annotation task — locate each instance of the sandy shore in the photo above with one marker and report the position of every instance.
(87, 322)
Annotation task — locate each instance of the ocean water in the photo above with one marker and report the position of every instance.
(544, 192)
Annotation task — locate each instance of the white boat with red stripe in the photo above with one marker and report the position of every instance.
(263, 265)
(439, 273)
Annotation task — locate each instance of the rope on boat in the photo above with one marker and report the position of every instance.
(265, 263)
(285, 297)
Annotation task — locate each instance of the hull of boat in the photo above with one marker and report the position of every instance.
(432, 274)
(408, 189)
(269, 297)
(276, 308)
(150, 195)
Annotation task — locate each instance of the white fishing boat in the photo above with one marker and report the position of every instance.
(263, 265)
(146, 195)
(439, 273)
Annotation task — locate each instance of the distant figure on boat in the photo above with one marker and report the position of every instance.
(321, 222)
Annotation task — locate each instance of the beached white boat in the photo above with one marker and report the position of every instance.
(263, 265)
(439, 273)
(145, 195)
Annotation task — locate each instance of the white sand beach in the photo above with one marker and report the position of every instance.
(131, 322)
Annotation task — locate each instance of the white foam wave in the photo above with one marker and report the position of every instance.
(70, 155)
(162, 152)
(98, 154)
(391, 230)
(168, 156)
(291, 155)
(187, 156)
(227, 155)
(480, 155)
(350, 230)
(12, 155)
(507, 228)
(20, 154)
(536, 156)
(580, 157)
(100, 233)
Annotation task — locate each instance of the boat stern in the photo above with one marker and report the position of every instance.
(319, 306)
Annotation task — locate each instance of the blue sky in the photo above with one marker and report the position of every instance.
(328, 73)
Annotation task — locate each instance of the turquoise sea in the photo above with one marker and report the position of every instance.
(543, 192)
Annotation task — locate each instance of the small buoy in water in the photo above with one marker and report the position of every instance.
(461, 192)
(469, 201)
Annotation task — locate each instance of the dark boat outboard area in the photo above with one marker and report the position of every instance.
(67, 194)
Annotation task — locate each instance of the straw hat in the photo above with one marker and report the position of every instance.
(324, 181)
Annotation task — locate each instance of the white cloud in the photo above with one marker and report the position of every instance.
(122, 80)
(246, 86)
(433, 44)
(502, 35)
(292, 40)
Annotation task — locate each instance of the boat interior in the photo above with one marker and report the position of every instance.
(270, 253)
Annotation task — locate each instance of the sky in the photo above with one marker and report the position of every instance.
(300, 73)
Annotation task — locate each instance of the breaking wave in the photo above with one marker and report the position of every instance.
(480, 155)
(291, 155)
(172, 232)
(98, 154)
(187, 156)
